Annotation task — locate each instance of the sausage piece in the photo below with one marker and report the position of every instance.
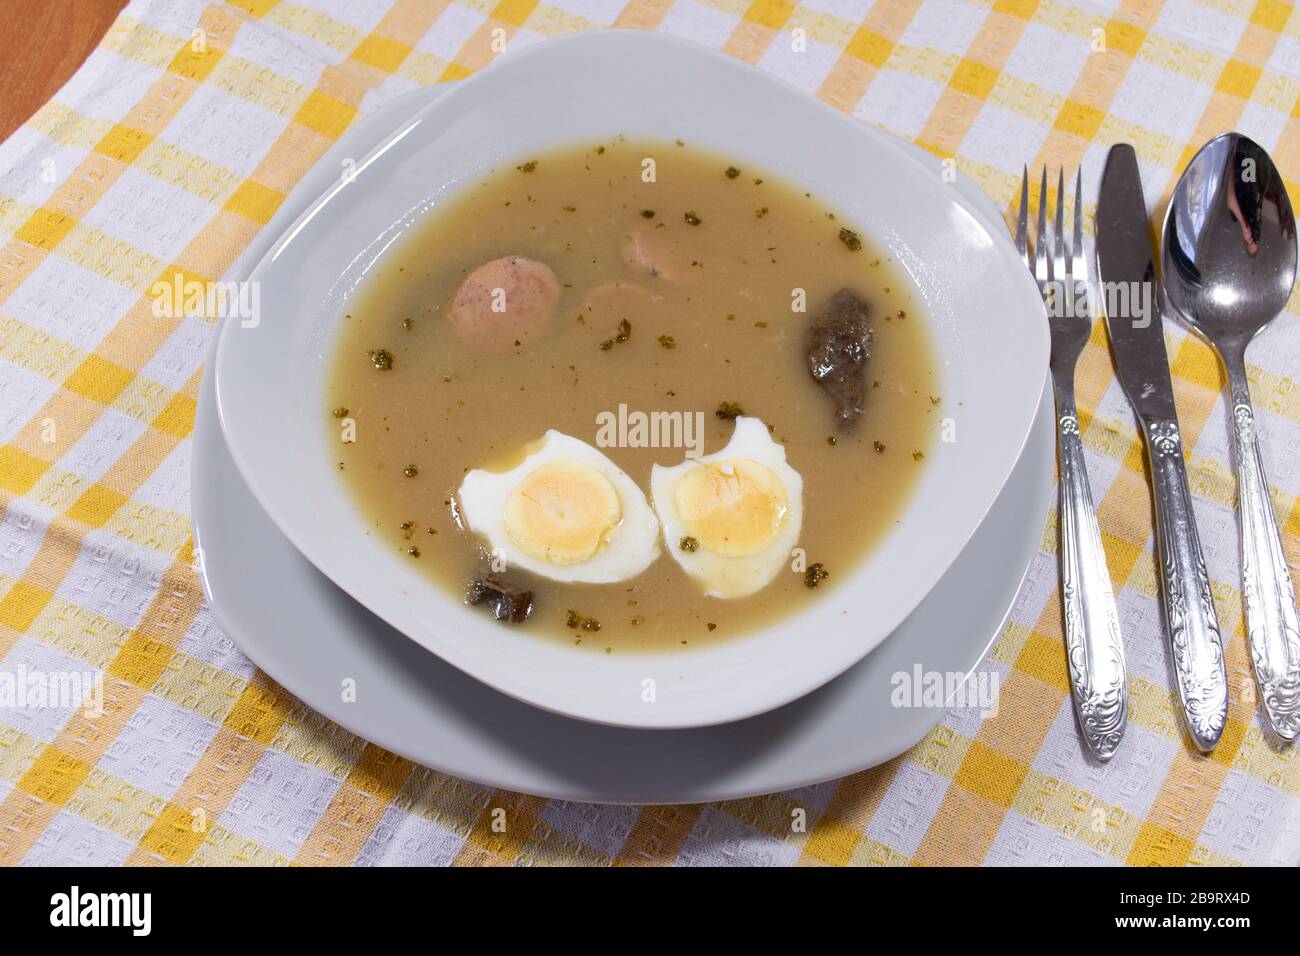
(504, 303)
(647, 253)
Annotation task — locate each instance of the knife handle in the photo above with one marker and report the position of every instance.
(1271, 620)
(1093, 649)
(1190, 621)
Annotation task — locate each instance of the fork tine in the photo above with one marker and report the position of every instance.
(1042, 266)
(1080, 270)
(1058, 244)
(1022, 221)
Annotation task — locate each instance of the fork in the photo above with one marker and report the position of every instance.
(1094, 651)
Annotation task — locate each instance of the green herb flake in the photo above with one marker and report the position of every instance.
(340, 412)
(410, 471)
(851, 239)
(815, 575)
(689, 544)
(691, 218)
(667, 341)
(527, 167)
(732, 172)
(729, 410)
(382, 359)
(647, 213)
(577, 621)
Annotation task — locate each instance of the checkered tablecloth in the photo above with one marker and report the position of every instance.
(176, 142)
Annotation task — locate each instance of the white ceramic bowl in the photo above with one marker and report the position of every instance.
(986, 316)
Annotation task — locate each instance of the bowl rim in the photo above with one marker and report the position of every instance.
(902, 151)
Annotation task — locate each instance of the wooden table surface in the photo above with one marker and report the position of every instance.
(42, 42)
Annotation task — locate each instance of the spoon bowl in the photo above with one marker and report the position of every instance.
(1229, 265)
(1229, 249)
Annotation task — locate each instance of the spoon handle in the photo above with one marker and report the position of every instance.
(1271, 620)
(1094, 651)
(1191, 624)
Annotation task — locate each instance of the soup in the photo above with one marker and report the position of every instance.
(633, 396)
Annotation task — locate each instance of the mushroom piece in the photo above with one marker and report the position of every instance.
(507, 602)
(839, 344)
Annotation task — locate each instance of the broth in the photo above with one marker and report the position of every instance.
(716, 325)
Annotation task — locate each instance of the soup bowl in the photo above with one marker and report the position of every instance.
(986, 317)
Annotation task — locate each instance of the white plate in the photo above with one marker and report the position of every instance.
(984, 309)
(309, 636)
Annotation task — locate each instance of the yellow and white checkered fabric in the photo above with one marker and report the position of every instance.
(171, 148)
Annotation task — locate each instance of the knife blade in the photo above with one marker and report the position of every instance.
(1128, 291)
(1127, 269)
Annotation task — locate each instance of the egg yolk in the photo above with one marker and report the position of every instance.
(732, 508)
(562, 512)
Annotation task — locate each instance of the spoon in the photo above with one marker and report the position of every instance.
(1229, 265)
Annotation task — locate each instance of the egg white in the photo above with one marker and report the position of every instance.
(723, 576)
(628, 549)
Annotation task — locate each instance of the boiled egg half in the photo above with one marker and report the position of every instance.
(565, 512)
(731, 519)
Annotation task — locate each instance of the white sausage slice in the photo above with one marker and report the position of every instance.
(505, 302)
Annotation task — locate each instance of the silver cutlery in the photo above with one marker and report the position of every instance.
(1127, 282)
(1094, 651)
(1229, 265)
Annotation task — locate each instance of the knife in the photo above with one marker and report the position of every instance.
(1126, 271)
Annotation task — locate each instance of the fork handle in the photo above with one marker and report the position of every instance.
(1094, 651)
(1271, 620)
(1190, 622)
